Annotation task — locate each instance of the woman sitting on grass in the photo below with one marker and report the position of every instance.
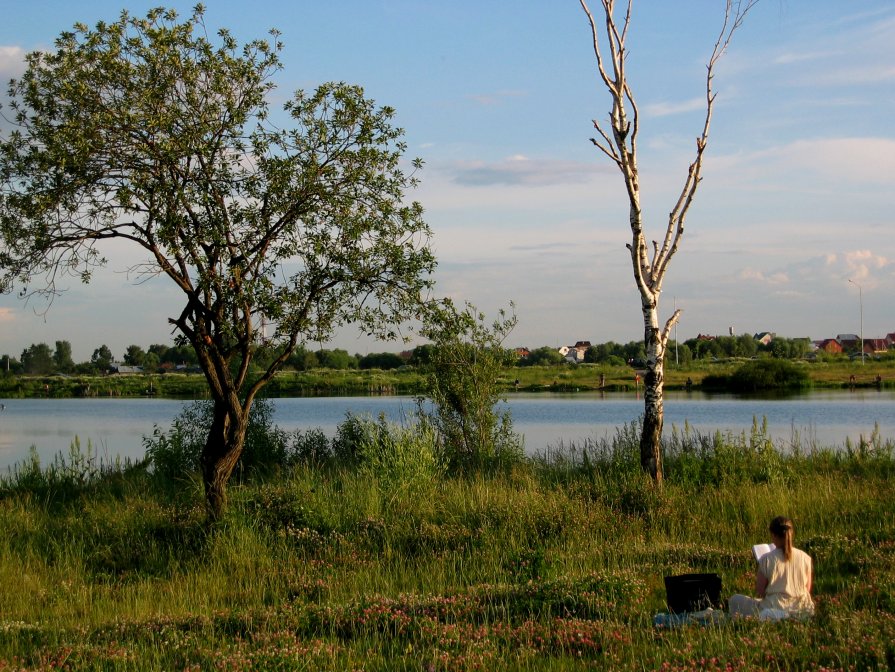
(782, 581)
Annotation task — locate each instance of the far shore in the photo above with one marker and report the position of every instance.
(410, 380)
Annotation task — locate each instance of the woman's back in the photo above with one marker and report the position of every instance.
(789, 581)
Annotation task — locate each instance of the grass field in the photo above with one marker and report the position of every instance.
(543, 566)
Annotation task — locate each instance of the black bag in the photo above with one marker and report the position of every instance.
(692, 592)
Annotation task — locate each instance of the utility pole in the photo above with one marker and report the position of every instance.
(861, 305)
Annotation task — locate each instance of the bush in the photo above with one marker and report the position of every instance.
(464, 387)
(405, 461)
(311, 446)
(175, 454)
(762, 374)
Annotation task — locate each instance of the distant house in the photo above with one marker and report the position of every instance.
(765, 337)
(876, 346)
(830, 345)
(574, 353)
(522, 353)
(848, 341)
(890, 339)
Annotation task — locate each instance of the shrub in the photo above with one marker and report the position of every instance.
(349, 437)
(405, 461)
(463, 384)
(176, 454)
(762, 374)
(311, 446)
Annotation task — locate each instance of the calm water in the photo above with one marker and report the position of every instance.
(117, 426)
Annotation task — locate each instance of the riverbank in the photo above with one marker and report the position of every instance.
(548, 566)
(411, 381)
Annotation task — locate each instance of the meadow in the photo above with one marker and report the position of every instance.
(547, 563)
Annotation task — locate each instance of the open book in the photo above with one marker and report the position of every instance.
(760, 550)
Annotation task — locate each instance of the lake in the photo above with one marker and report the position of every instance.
(117, 426)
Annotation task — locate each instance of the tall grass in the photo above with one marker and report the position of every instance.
(553, 564)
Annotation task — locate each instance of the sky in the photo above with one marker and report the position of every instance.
(790, 232)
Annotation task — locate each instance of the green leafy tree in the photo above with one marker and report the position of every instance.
(748, 346)
(37, 359)
(151, 362)
(151, 132)
(463, 384)
(381, 360)
(101, 358)
(62, 358)
(302, 359)
(543, 356)
(336, 359)
(681, 353)
(421, 354)
(134, 355)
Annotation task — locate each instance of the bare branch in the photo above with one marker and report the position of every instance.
(669, 324)
(595, 33)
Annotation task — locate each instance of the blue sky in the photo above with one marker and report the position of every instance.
(497, 98)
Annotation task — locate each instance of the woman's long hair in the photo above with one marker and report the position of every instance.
(781, 527)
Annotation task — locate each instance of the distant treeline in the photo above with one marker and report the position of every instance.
(40, 359)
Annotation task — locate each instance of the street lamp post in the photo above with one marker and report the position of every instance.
(861, 305)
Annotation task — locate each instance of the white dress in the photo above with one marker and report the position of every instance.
(787, 591)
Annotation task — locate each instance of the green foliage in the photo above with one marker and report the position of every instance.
(463, 384)
(336, 359)
(544, 356)
(38, 359)
(62, 358)
(762, 374)
(614, 353)
(304, 225)
(351, 435)
(102, 358)
(381, 360)
(311, 446)
(134, 356)
(405, 462)
(176, 453)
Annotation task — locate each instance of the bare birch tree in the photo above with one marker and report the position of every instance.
(619, 143)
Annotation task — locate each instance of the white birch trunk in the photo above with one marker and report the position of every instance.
(655, 340)
(620, 145)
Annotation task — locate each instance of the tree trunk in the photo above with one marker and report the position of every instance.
(653, 392)
(226, 438)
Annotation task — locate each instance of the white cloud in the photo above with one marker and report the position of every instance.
(863, 266)
(665, 108)
(857, 160)
(772, 278)
(12, 61)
